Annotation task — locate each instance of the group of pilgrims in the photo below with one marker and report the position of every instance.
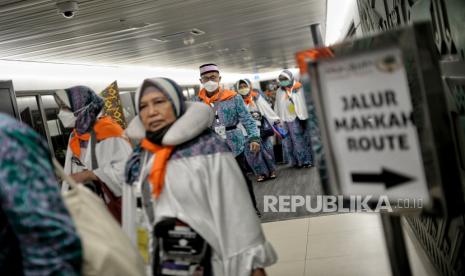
(189, 166)
(247, 121)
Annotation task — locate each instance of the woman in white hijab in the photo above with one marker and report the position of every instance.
(262, 163)
(292, 109)
(186, 182)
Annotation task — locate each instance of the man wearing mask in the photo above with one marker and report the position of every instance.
(232, 119)
(291, 108)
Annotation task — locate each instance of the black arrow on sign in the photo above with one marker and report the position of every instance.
(387, 177)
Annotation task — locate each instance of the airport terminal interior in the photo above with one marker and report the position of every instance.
(232, 137)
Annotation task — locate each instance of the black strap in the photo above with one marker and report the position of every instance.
(93, 143)
(228, 128)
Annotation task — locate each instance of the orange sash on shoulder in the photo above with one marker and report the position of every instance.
(221, 95)
(249, 99)
(158, 171)
(104, 128)
(296, 86)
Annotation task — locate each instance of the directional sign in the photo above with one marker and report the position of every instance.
(386, 177)
(369, 125)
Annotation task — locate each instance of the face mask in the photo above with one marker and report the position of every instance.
(286, 83)
(243, 91)
(211, 86)
(156, 137)
(67, 118)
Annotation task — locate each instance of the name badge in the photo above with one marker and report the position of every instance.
(221, 131)
(143, 243)
(291, 108)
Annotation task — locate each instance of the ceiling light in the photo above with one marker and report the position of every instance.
(222, 51)
(337, 15)
(139, 25)
(189, 40)
(158, 39)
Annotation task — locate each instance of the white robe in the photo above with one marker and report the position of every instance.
(209, 193)
(112, 154)
(266, 110)
(281, 106)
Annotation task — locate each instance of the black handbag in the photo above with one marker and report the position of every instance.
(266, 130)
(179, 250)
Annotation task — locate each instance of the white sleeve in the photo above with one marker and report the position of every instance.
(266, 110)
(67, 168)
(112, 154)
(244, 246)
(300, 104)
(276, 102)
(129, 213)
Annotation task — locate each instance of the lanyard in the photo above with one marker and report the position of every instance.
(289, 95)
(143, 191)
(217, 118)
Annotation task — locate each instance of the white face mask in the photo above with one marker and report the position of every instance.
(67, 118)
(211, 86)
(243, 91)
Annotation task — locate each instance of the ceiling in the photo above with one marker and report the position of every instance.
(240, 35)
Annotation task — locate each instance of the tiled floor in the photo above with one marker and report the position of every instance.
(345, 244)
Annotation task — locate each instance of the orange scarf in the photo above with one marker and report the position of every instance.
(249, 99)
(221, 95)
(104, 128)
(296, 86)
(158, 171)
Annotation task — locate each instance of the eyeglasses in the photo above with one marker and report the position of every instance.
(210, 78)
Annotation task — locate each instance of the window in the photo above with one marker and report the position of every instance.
(29, 112)
(59, 136)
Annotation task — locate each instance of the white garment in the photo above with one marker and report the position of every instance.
(209, 193)
(281, 106)
(266, 110)
(112, 154)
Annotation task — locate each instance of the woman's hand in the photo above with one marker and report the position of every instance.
(254, 147)
(83, 177)
(259, 272)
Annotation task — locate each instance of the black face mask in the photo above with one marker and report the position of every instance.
(156, 137)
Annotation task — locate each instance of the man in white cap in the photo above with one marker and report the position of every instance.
(233, 121)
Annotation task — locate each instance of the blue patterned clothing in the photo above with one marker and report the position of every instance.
(262, 163)
(297, 147)
(233, 114)
(37, 235)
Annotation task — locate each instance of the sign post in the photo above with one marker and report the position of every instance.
(370, 126)
(386, 128)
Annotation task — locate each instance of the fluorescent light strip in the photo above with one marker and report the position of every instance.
(40, 76)
(338, 19)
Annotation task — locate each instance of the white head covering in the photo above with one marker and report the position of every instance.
(193, 118)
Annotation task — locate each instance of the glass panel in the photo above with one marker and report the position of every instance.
(30, 114)
(58, 133)
(7, 101)
(128, 106)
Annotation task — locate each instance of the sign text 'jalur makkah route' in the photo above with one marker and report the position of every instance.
(370, 125)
